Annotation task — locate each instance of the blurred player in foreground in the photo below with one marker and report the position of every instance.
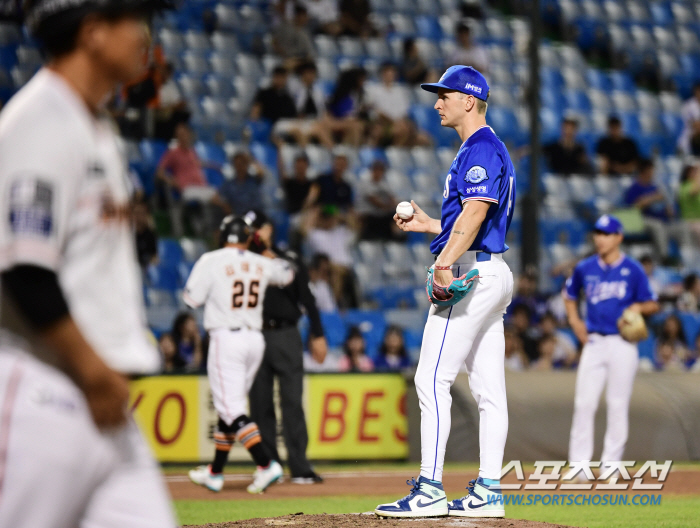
(611, 282)
(73, 322)
(477, 208)
(231, 282)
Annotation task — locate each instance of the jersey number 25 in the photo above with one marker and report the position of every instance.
(239, 291)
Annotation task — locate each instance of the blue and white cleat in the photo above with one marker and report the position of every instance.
(427, 499)
(481, 501)
(203, 476)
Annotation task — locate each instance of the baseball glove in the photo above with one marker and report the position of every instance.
(632, 326)
(452, 293)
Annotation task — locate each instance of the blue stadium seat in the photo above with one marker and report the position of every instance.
(214, 176)
(151, 152)
(170, 252)
(691, 326)
(266, 154)
(623, 81)
(428, 27)
(552, 78)
(163, 278)
(259, 130)
(504, 123)
(334, 328)
(661, 13)
(598, 79)
(210, 152)
(577, 100)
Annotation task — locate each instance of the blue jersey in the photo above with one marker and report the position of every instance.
(608, 290)
(482, 170)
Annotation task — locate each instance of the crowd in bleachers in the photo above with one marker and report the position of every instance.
(311, 111)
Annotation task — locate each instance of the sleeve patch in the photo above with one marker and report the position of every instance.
(476, 174)
(31, 207)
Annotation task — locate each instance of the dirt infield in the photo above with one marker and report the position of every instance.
(372, 521)
(369, 483)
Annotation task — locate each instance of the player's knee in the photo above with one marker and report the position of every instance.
(246, 431)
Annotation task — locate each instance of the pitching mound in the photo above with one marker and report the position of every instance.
(369, 520)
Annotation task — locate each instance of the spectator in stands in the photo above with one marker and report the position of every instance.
(354, 18)
(170, 361)
(689, 300)
(323, 15)
(180, 167)
(546, 348)
(392, 353)
(311, 119)
(172, 107)
(376, 204)
(355, 358)
(515, 358)
(320, 283)
(526, 294)
(188, 341)
(414, 70)
(346, 108)
(330, 233)
(567, 156)
(658, 213)
(389, 103)
(618, 153)
(520, 319)
(146, 237)
(331, 188)
(564, 353)
(671, 347)
(689, 200)
(292, 40)
(647, 75)
(689, 141)
(241, 193)
(297, 186)
(649, 265)
(467, 52)
(275, 102)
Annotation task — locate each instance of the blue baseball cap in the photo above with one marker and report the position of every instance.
(609, 224)
(463, 79)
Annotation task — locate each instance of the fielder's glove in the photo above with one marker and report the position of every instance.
(452, 293)
(632, 326)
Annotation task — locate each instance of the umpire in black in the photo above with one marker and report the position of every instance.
(284, 359)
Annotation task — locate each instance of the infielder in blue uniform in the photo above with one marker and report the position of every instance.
(470, 286)
(611, 282)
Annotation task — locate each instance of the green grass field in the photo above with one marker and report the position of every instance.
(674, 512)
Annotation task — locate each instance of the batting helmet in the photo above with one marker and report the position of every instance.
(234, 230)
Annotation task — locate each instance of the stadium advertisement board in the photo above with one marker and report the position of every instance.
(349, 416)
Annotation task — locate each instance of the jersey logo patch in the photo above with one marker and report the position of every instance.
(31, 207)
(476, 174)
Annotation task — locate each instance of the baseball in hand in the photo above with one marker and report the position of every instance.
(404, 210)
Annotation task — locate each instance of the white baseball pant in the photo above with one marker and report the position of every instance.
(234, 359)
(606, 362)
(57, 470)
(469, 333)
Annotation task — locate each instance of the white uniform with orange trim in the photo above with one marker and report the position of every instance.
(231, 285)
(64, 206)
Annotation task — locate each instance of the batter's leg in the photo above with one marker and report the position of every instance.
(590, 380)
(485, 365)
(261, 400)
(622, 371)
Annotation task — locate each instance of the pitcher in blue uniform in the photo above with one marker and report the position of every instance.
(477, 207)
(611, 282)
